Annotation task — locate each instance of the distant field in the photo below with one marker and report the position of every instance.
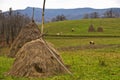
(111, 26)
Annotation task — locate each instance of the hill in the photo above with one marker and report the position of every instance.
(71, 14)
(111, 27)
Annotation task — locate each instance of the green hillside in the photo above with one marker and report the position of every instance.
(111, 26)
(86, 62)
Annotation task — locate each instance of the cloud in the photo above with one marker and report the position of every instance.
(21, 4)
(117, 2)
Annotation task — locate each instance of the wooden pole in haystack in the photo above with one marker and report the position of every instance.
(43, 17)
(33, 15)
(47, 46)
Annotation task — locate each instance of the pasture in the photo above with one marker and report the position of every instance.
(110, 27)
(100, 61)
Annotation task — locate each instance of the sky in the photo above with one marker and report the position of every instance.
(54, 4)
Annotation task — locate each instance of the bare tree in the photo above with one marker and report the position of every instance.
(59, 18)
(86, 16)
(109, 14)
(94, 15)
(10, 25)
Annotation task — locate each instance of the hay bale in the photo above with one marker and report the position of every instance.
(34, 59)
(91, 28)
(27, 33)
(99, 29)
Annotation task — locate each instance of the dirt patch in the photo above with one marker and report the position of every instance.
(73, 48)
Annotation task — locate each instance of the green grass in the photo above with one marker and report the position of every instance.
(63, 42)
(110, 26)
(5, 64)
(87, 64)
(83, 64)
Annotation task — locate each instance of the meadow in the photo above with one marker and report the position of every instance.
(110, 26)
(100, 61)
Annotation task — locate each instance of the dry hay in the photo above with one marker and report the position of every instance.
(27, 33)
(91, 28)
(99, 29)
(34, 59)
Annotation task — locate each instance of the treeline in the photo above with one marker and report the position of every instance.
(10, 26)
(59, 18)
(112, 13)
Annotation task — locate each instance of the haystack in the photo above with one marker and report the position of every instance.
(91, 28)
(37, 59)
(99, 29)
(28, 33)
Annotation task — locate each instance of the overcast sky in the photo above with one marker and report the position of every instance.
(22, 4)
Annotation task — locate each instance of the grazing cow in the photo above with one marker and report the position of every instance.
(58, 34)
(92, 42)
(73, 30)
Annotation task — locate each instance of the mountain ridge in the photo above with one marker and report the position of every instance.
(71, 14)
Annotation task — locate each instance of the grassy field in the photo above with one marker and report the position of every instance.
(110, 27)
(87, 62)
